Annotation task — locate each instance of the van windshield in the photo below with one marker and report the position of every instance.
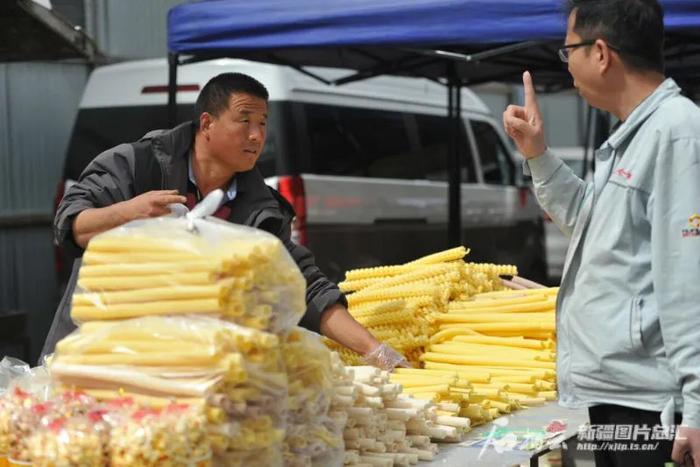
(98, 129)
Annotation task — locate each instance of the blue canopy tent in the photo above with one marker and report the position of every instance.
(455, 42)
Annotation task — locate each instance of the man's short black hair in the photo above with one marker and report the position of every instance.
(214, 97)
(634, 28)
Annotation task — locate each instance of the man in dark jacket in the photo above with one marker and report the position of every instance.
(183, 165)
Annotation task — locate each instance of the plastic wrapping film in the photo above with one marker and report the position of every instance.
(234, 374)
(386, 358)
(74, 441)
(174, 266)
(312, 437)
(174, 435)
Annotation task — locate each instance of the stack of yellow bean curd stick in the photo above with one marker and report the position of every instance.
(383, 426)
(158, 268)
(194, 316)
(312, 436)
(478, 347)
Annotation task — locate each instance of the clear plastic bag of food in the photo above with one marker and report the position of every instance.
(309, 369)
(235, 374)
(172, 266)
(79, 441)
(26, 417)
(173, 435)
(312, 438)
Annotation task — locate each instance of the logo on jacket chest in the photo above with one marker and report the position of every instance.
(626, 174)
(693, 229)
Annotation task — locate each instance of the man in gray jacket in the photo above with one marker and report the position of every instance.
(628, 311)
(185, 164)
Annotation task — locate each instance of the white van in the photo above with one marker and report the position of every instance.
(364, 164)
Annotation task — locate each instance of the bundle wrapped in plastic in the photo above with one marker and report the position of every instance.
(175, 266)
(24, 421)
(312, 437)
(233, 374)
(23, 413)
(175, 435)
(79, 441)
(13, 402)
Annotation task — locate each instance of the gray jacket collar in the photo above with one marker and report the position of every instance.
(666, 90)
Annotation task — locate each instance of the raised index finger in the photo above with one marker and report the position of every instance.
(531, 106)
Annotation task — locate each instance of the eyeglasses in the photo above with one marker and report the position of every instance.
(566, 48)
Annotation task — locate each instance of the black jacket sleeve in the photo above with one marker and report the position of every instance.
(107, 180)
(320, 291)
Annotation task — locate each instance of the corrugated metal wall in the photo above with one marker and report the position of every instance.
(38, 104)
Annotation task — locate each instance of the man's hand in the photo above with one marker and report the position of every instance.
(339, 325)
(91, 222)
(686, 447)
(386, 358)
(150, 204)
(524, 124)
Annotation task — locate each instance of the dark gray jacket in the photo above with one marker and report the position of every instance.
(159, 162)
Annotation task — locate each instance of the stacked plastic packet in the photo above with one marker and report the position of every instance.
(233, 375)
(175, 266)
(312, 438)
(188, 311)
(23, 414)
(80, 440)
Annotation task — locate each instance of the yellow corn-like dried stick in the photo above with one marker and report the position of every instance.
(517, 342)
(530, 298)
(486, 393)
(148, 269)
(491, 385)
(516, 293)
(426, 272)
(114, 283)
(379, 272)
(93, 258)
(491, 318)
(169, 359)
(216, 292)
(543, 355)
(473, 374)
(132, 310)
(546, 306)
(543, 385)
(540, 326)
(525, 379)
(448, 334)
(377, 308)
(526, 400)
(462, 349)
(548, 395)
(468, 359)
(396, 293)
(66, 346)
(427, 388)
(353, 286)
(453, 254)
(381, 296)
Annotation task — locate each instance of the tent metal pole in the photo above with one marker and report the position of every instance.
(172, 89)
(477, 56)
(454, 104)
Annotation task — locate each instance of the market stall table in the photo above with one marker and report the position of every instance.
(462, 454)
